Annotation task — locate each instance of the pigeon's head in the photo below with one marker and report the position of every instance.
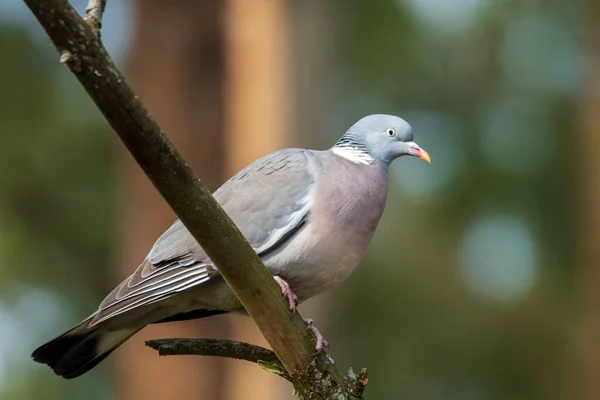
(380, 138)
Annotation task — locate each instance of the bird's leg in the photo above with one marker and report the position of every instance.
(287, 292)
(321, 342)
(293, 303)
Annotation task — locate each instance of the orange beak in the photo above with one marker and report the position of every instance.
(423, 155)
(416, 151)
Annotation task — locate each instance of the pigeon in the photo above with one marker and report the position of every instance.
(308, 214)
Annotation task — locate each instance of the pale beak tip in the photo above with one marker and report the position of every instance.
(423, 155)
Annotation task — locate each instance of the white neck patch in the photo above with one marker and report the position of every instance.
(353, 154)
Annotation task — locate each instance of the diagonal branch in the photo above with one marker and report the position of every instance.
(80, 49)
(93, 15)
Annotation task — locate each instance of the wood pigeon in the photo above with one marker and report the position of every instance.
(308, 214)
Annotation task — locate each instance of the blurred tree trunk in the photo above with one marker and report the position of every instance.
(266, 81)
(585, 378)
(314, 25)
(313, 35)
(177, 68)
(257, 97)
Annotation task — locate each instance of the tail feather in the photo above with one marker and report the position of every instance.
(77, 351)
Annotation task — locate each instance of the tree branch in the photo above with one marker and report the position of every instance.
(265, 358)
(80, 49)
(213, 347)
(358, 382)
(220, 348)
(93, 15)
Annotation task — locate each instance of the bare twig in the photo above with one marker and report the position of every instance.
(93, 15)
(314, 376)
(220, 348)
(265, 358)
(213, 347)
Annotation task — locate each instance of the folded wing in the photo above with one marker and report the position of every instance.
(269, 201)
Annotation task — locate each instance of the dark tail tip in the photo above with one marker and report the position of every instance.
(72, 353)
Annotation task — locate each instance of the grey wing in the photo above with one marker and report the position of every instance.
(269, 201)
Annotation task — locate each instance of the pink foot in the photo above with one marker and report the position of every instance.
(287, 292)
(321, 342)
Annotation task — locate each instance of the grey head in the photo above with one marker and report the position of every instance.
(379, 138)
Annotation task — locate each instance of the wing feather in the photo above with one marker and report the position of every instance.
(269, 201)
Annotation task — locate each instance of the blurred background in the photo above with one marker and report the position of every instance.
(483, 279)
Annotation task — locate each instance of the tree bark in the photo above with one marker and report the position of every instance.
(176, 64)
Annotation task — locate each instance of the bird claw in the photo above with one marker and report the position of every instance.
(293, 303)
(287, 292)
(321, 342)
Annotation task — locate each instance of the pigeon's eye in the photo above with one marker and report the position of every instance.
(391, 132)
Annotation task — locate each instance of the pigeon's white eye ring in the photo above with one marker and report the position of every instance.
(391, 132)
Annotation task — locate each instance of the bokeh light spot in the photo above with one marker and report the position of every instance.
(447, 17)
(539, 53)
(517, 136)
(498, 257)
(35, 317)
